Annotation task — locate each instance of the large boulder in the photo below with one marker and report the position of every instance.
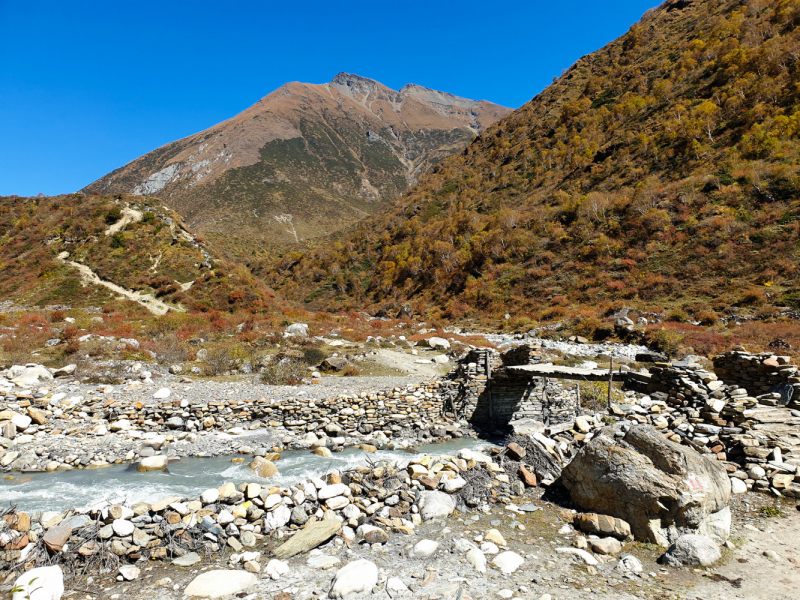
(152, 463)
(297, 330)
(435, 505)
(333, 364)
(662, 489)
(263, 467)
(309, 538)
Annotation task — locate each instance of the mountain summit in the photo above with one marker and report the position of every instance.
(305, 161)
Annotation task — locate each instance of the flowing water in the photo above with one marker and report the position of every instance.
(187, 478)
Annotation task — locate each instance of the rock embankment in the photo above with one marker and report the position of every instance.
(59, 423)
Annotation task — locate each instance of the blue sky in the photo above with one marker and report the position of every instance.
(87, 86)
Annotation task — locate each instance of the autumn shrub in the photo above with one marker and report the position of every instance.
(314, 356)
(57, 316)
(172, 349)
(113, 215)
(287, 371)
(666, 341)
(707, 318)
(594, 396)
(219, 359)
(677, 316)
(351, 371)
(587, 327)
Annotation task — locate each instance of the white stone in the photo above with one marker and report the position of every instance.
(121, 425)
(210, 496)
(354, 578)
(583, 554)
(224, 517)
(453, 485)
(489, 548)
(42, 583)
(628, 562)
(337, 502)
(395, 584)
(435, 505)
(21, 421)
(297, 329)
(323, 562)
(738, 486)
(477, 559)
(277, 569)
(122, 527)
(508, 562)
(219, 583)
(162, 393)
(28, 376)
(272, 501)
(329, 491)
(129, 572)
(424, 549)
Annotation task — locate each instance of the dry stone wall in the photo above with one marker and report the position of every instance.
(760, 374)
(418, 406)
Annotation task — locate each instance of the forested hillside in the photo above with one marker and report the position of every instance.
(660, 173)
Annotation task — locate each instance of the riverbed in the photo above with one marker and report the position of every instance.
(187, 478)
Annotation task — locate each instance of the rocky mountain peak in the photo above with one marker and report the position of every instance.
(354, 85)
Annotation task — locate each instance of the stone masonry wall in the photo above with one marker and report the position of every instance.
(417, 406)
(758, 373)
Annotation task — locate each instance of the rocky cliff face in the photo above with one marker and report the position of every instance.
(304, 161)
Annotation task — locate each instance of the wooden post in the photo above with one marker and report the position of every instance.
(610, 381)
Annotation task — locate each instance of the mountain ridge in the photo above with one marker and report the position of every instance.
(304, 161)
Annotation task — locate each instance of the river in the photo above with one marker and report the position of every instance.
(187, 478)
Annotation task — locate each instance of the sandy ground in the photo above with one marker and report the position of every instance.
(407, 363)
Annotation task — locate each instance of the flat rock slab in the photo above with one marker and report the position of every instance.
(187, 560)
(309, 538)
(56, 537)
(216, 584)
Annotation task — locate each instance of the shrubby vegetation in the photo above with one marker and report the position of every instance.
(659, 173)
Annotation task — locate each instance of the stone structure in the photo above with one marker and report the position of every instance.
(760, 374)
(395, 409)
(482, 389)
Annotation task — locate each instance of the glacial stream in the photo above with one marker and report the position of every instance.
(187, 478)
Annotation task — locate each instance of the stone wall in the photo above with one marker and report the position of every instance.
(760, 374)
(417, 406)
(512, 396)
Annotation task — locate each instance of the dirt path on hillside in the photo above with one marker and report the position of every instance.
(89, 277)
(128, 216)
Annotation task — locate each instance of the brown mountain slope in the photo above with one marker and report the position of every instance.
(304, 161)
(660, 173)
(86, 250)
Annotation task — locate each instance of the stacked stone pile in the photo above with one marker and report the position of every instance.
(760, 374)
(758, 438)
(394, 410)
(32, 420)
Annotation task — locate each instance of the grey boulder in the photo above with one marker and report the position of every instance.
(662, 489)
(692, 549)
